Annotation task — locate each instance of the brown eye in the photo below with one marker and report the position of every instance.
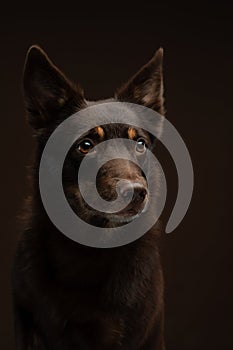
(141, 145)
(85, 146)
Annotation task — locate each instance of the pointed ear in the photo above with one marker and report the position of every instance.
(48, 93)
(146, 86)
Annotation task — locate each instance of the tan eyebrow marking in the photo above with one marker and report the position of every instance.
(100, 131)
(63, 98)
(61, 101)
(131, 133)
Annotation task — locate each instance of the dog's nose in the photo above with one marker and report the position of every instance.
(133, 190)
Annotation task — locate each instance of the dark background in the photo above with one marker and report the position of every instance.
(100, 48)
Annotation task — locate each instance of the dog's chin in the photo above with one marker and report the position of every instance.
(125, 217)
(122, 219)
(96, 218)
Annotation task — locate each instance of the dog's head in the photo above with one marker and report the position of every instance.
(51, 98)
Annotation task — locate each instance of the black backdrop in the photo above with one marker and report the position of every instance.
(101, 47)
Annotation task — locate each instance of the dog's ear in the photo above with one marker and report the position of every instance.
(146, 86)
(47, 91)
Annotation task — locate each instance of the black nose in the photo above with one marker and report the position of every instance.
(133, 190)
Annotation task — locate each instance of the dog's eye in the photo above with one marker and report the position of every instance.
(85, 146)
(141, 145)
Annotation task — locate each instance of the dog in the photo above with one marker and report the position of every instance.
(66, 295)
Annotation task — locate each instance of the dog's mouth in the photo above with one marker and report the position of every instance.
(126, 216)
(138, 195)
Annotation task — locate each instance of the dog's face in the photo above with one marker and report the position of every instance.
(51, 98)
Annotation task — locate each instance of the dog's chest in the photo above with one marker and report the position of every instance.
(112, 332)
(105, 333)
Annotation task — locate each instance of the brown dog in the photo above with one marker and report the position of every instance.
(68, 296)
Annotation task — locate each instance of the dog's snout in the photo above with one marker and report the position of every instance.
(133, 190)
